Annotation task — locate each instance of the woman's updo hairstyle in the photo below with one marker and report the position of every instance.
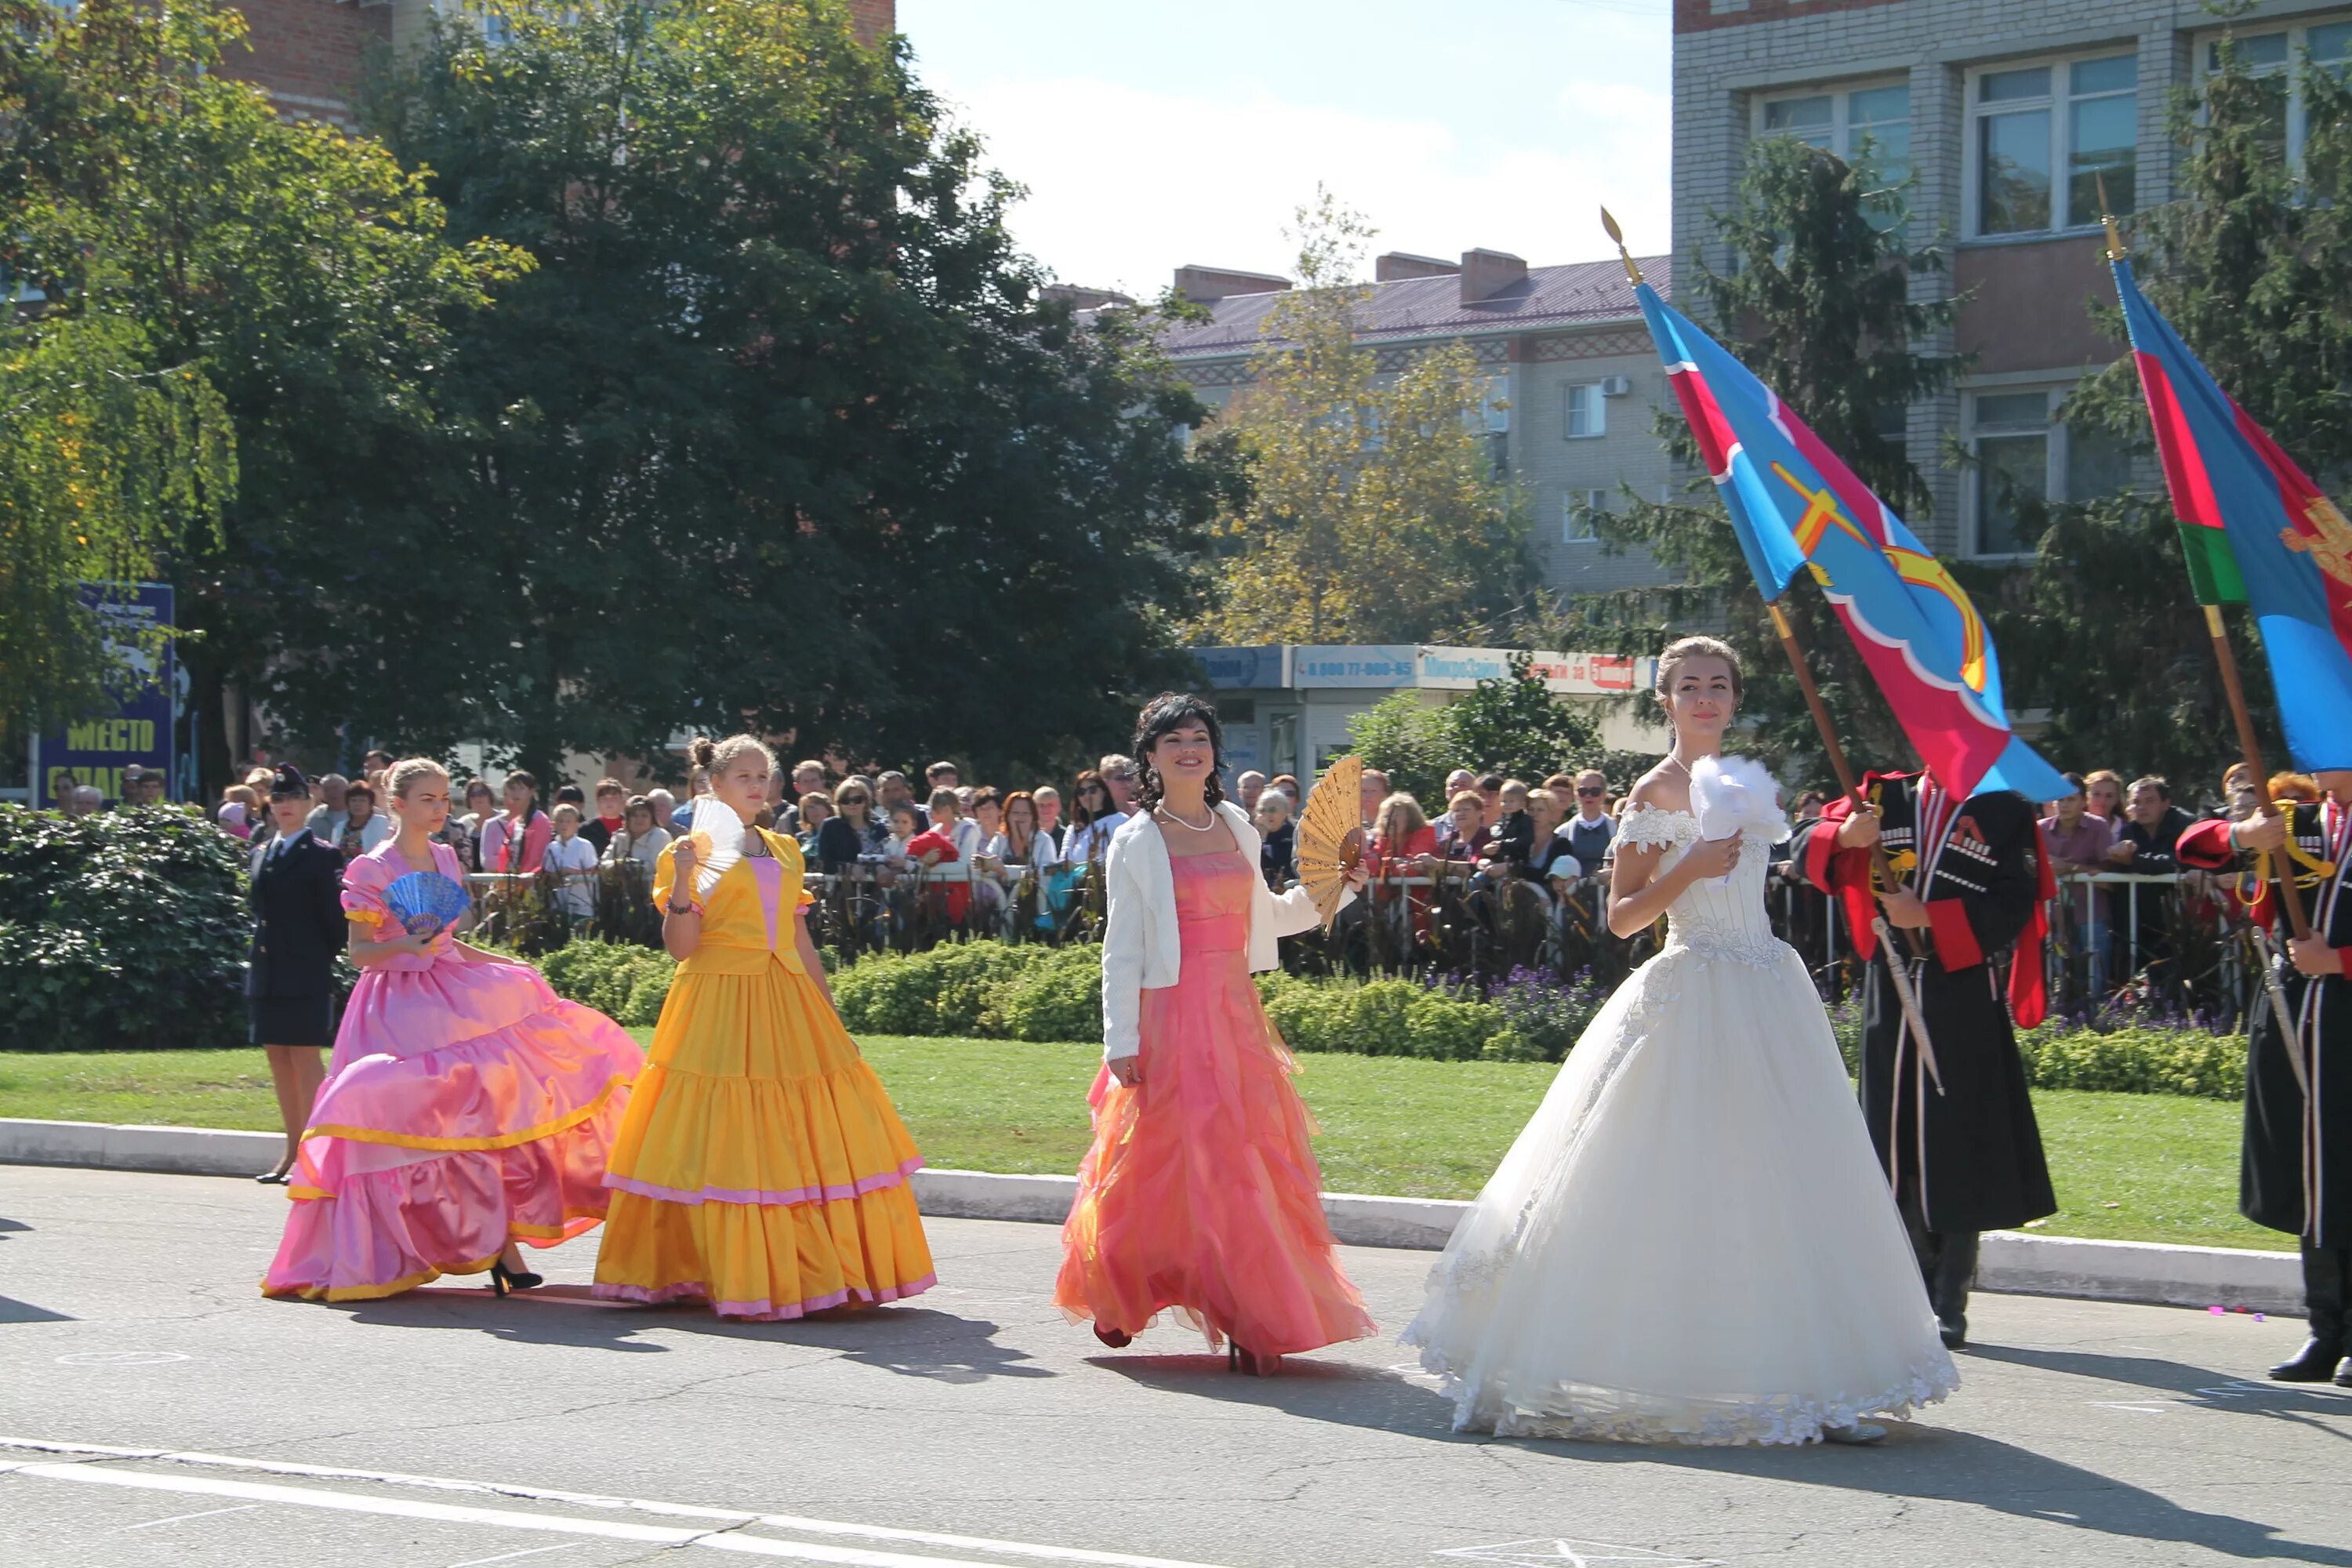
(1162, 714)
(714, 757)
(406, 772)
(1683, 650)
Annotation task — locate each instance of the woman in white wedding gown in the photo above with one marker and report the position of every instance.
(1692, 1241)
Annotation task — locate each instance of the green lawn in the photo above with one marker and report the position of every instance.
(2138, 1167)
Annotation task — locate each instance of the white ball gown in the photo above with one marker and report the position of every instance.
(1692, 1241)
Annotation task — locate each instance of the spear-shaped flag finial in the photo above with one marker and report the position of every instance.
(2108, 216)
(1617, 237)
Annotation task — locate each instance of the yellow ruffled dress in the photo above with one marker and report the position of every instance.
(760, 1167)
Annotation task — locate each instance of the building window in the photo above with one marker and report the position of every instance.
(1576, 513)
(2046, 135)
(2273, 60)
(1588, 414)
(2028, 457)
(1866, 124)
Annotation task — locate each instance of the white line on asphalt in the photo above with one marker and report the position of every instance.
(511, 1556)
(594, 1499)
(492, 1518)
(208, 1513)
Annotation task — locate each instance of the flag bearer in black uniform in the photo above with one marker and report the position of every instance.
(297, 892)
(2296, 1175)
(1951, 1117)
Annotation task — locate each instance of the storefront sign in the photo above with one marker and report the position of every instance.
(1244, 668)
(1381, 666)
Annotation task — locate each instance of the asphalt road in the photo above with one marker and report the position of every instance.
(974, 1428)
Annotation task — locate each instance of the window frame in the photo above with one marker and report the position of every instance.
(2297, 33)
(1599, 421)
(2055, 103)
(2057, 454)
(1841, 95)
(1595, 500)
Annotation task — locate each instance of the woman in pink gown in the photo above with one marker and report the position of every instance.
(1201, 1193)
(467, 1107)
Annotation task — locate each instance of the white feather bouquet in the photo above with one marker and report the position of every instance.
(1733, 794)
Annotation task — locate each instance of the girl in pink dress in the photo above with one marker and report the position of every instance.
(466, 1108)
(1201, 1193)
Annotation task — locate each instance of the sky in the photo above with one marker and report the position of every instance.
(1151, 134)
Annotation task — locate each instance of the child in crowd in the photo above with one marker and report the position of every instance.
(517, 839)
(572, 858)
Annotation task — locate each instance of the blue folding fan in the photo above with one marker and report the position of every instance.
(426, 903)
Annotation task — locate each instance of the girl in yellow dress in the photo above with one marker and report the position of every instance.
(760, 1167)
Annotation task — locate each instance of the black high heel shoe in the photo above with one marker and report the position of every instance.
(506, 1282)
(1240, 1358)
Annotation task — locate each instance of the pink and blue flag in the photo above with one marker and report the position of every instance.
(1795, 506)
(2256, 532)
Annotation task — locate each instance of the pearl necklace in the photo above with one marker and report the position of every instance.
(1169, 815)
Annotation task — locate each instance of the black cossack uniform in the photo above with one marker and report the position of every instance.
(299, 927)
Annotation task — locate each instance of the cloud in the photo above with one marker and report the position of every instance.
(1127, 183)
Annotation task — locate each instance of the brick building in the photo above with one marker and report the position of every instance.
(2003, 111)
(310, 53)
(1573, 372)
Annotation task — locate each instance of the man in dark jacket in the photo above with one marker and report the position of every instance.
(2144, 846)
(1957, 1138)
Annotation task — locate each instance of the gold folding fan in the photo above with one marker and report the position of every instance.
(1331, 834)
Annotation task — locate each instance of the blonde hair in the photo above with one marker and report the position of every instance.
(244, 795)
(561, 807)
(715, 757)
(1684, 650)
(402, 773)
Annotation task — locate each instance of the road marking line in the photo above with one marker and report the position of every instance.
(730, 1517)
(511, 1556)
(208, 1513)
(494, 1518)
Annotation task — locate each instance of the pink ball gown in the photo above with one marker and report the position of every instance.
(466, 1105)
(1201, 1193)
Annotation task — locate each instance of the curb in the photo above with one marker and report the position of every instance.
(2011, 1261)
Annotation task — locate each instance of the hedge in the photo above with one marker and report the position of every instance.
(121, 929)
(990, 990)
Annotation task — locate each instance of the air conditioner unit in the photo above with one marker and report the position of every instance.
(1616, 385)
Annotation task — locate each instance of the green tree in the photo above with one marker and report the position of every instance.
(2252, 262)
(1513, 724)
(1374, 512)
(278, 290)
(1818, 304)
(781, 432)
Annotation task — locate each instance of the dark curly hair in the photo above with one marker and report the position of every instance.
(1162, 714)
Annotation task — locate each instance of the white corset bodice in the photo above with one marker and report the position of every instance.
(1720, 916)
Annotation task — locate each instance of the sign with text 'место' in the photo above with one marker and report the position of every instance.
(95, 749)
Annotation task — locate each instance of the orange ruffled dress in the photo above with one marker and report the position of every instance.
(760, 1167)
(1201, 1193)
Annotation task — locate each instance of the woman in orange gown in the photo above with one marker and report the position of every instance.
(1201, 1195)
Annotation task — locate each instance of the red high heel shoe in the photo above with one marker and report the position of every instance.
(1116, 1339)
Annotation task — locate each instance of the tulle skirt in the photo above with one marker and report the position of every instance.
(1201, 1196)
(761, 1167)
(466, 1105)
(1692, 1241)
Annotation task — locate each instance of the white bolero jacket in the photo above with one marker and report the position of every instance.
(1141, 950)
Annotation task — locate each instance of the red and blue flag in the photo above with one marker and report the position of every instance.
(2256, 532)
(1795, 506)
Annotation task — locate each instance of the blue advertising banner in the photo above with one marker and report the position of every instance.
(1246, 668)
(138, 729)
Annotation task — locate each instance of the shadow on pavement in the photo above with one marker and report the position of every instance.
(913, 1342)
(1926, 1462)
(16, 1312)
(2255, 1395)
(8, 1224)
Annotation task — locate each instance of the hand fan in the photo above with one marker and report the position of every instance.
(426, 903)
(1331, 834)
(717, 834)
(1732, 795)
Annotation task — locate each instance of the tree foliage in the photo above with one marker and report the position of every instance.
(1818, 304)
(780, 433)
(278, 291)
(1513, 724)
(2252, 262)
(1374, 513)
